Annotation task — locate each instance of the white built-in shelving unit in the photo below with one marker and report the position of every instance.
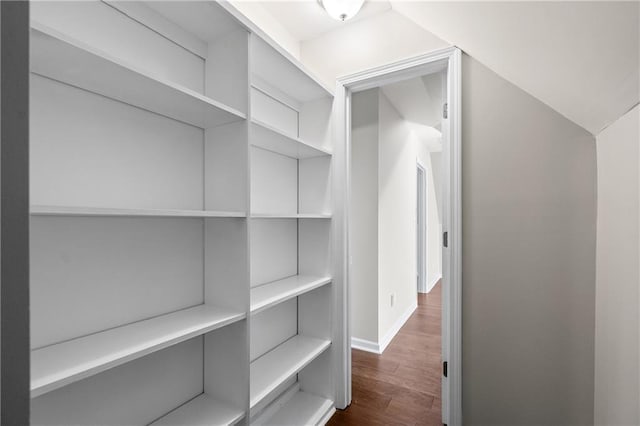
(181, 227)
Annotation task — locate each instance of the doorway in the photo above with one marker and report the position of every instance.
(447, 61)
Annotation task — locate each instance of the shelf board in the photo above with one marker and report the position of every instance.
(270, 294)
(285, 73)
(267, 137)
(278, 365)
(102, 211)
(61, 364)
(62, 58)
(202, 411)
(289, 216)
(303, 409)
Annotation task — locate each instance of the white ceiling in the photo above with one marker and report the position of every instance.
(419, 101)
(306, 19)
(580, 58)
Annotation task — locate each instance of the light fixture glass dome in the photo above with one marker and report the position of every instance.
(342, 10)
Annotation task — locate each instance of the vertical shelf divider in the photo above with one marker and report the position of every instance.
(290, 190)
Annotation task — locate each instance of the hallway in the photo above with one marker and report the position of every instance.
(401, 386)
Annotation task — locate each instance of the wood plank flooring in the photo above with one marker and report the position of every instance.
(401, 386)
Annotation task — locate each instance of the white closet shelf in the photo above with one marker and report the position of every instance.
(62, 58)
(285, 361)
(63, 363)
(303, 409)
(270, 294)
(268, 137)
(290, 216)
(281, 70)
(104, 211)
(202, 411)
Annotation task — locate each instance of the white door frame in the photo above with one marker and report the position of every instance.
(449, 59)
(422, 213)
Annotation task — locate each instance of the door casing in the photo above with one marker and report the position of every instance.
(448, 59)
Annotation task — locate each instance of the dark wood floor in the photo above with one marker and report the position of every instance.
(401, 386)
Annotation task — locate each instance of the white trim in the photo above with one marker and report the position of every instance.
(379, 348)
(365, 345)
(420, 163)
(451, 59)
(397, 71)
(422, 236)
(341, 255)
(432, 284)
(453, 286)
(395, 328)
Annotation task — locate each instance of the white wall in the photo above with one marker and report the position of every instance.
(383, 219)
(434, 221)
(364, 216)
(436, 163)
(617, 362)
(396, 221)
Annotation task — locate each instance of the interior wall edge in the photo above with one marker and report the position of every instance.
(14, 211)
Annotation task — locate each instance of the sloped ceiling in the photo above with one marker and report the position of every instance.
(580, 58)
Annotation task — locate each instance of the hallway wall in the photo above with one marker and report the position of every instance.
(397, 264)
(617, 360)
(434, 208)
(383, 218)
(364, 216)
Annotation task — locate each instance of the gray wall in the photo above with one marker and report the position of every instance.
(529, 228)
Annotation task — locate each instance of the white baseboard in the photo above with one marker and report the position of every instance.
(365, 345)
(432, 284)
(378, 348)
(397, 326)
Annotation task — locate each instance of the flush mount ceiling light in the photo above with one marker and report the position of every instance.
(341, 10)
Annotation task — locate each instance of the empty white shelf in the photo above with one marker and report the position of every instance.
(285, 73)
(270, 294)
(53, 53)
(290, 216)
(303, 409)
(58, 365)
(267, 137)
(103, 211)
(278, 365)
(202, 411)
